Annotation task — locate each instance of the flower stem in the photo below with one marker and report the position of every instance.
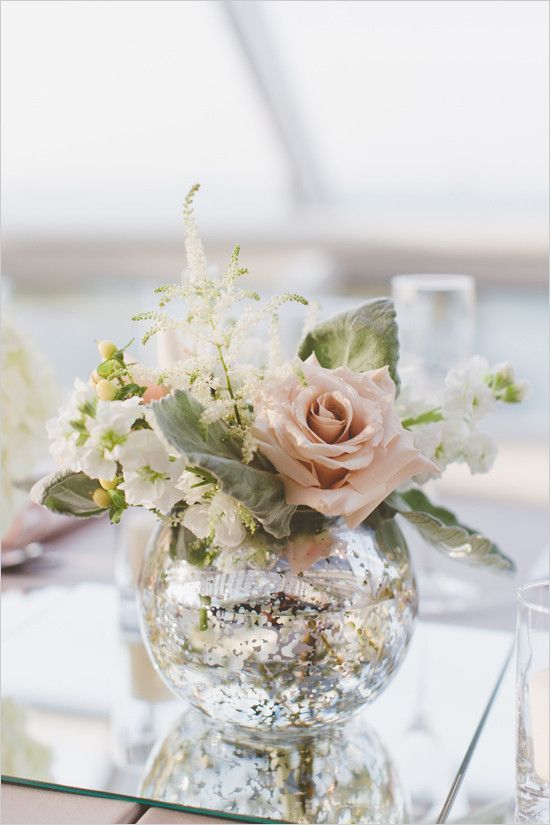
(203, 612)
(429, 417)
(203, 618)
(228, 383)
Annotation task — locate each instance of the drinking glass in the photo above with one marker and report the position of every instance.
(532, 703)
(436, 315)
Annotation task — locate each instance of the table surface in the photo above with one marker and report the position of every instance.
(65, 662)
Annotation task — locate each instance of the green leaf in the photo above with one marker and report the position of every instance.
(442, 529)
(118, 505)
(214, 450)
(119, 354)
(361, 339)
(67, 492)
(128, 390)
(107, 368)
(417, 499)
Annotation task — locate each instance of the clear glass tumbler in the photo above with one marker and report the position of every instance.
(436, 316)
(532, 703)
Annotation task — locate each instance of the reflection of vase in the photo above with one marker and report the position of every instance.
(253, 644)
(341, 775)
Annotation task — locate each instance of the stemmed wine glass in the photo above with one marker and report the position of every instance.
(436, 317)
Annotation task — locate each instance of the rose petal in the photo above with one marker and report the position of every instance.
(306, 550)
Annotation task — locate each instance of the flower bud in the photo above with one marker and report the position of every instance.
(101, 498)
(95, 376)
(108, 484)
(106, 349)
(105, 390)
(501, 377)
(504, 371)
(515, 393)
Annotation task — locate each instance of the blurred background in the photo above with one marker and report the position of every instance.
(339, 143)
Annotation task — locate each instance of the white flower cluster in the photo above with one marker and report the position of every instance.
(119, 442)
(27, 399)
(217, 518)
(445, 427)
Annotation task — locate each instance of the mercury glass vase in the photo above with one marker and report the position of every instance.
(343, 776)
(251, 643)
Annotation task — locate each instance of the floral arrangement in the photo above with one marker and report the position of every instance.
(28, 399)
(238, 449)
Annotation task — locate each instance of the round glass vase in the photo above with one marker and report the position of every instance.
(251, 643)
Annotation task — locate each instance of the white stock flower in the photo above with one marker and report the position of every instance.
(64, 447)
(197, 519)
(479, 452)
(470, 392)
(442, 441)
(192, 490)
(84, 397)
(520, 391)
(467, 393)
(219, 518)
(69, 430)
(118, 415)
(108, 431)
(504, 385)
(409, 405)
(504, 372)
(150, 474)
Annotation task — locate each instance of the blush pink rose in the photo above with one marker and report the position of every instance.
(336, 440)
(154, 392)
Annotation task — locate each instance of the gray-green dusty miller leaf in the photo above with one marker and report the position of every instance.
(212, 449)
(361, 339)
(441, 528)
(67, 492)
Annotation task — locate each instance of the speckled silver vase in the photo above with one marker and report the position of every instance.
(343, 775)
(251, 643)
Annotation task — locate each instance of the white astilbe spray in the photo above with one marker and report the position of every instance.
(275, 351)
(144, 375)
(215, 368)
(311, 318)
(194, 250)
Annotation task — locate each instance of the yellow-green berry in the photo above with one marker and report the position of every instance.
(108, 484)
(101, 498)
(105, 390)
(106, 349)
